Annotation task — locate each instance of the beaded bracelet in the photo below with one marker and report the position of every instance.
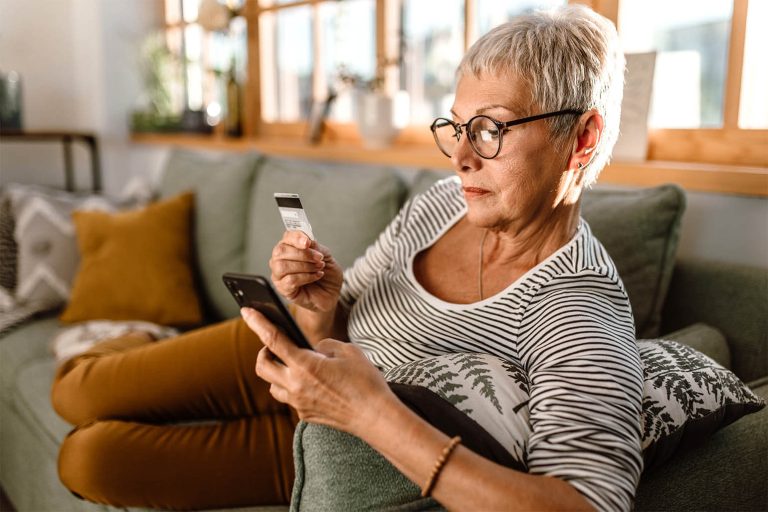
(439, 463)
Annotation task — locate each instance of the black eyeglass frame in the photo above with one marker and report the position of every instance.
(502, 126)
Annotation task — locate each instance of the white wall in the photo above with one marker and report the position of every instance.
(79, 63)
(78, 60)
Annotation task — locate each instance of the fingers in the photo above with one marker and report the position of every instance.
(295, 264)
(297, 239)
(272, 337)
(285, 268)
(273, 372)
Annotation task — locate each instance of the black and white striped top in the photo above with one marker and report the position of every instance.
(567, 322)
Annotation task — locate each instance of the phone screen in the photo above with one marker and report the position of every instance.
(256, 292)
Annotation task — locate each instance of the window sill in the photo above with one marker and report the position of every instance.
(725, 179)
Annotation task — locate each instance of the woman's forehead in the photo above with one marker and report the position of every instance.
(477, 95)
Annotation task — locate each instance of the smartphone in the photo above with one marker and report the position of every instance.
(293, 214)
(256, 292)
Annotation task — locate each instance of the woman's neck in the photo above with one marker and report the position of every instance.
(528, 245)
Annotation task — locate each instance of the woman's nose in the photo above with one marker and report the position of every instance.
(464, 157)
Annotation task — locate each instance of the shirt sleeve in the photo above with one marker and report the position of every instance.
(377, 257)
(578, 345)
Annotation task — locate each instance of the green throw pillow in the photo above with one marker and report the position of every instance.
(640, 229)
(221, 182)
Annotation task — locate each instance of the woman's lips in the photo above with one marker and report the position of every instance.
(474, 192)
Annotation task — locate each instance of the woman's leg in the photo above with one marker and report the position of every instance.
(129, 395)
(203, 374)
(232, 463)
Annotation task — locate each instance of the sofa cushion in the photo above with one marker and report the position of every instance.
(32, 396)
(221, 182)
(136, 265)
(640, 229)
(347, 205)
(21, 346)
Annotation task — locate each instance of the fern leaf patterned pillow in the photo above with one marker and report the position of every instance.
(491, 391)
(687, 396)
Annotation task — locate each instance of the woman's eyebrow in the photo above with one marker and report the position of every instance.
(513, 109)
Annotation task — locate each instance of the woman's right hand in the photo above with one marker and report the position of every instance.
(304, 272)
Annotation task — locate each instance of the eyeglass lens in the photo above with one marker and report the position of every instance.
(483, 134)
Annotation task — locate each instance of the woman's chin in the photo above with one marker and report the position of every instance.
(481, 217)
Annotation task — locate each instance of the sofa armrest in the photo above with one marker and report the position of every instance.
(723, 473)
(731, 298)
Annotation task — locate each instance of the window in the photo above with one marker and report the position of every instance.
(432, 46)
(753, 107)
(709, 103)
(303, 48)
(204, 52)
(691, 38)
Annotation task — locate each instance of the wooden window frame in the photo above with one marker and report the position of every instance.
(727, 159)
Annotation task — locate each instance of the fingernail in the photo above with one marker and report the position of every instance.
(320, 273)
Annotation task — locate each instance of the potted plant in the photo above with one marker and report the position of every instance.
(378, 115)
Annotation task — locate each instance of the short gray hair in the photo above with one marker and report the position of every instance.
(571, 59)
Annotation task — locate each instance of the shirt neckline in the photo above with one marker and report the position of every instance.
(443, 304)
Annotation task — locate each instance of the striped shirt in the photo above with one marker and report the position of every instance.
(567, 322)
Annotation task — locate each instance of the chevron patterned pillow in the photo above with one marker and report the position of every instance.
(7, 254)
(47, 255)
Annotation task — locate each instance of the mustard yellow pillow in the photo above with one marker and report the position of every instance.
(136, 265)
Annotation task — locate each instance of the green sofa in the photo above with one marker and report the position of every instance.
(720, 309)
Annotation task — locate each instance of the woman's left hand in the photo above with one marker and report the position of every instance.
(334, 385)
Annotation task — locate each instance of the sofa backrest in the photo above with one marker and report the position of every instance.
(729, 297)
(222, 184)
(237, 222)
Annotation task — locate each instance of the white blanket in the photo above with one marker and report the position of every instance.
(72, 341)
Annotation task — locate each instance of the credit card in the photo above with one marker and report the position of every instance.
(293, 214)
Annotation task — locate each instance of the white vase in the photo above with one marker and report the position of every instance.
(377, 119)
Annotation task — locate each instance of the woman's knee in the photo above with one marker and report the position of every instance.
(77, 387)
(87, 465)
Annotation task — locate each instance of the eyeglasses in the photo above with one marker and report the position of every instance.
(485, 134)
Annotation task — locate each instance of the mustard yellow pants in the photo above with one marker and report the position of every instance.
(178, 424)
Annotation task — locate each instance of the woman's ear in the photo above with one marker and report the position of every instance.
(588, 133)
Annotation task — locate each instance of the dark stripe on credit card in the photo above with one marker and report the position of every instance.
(288, 202)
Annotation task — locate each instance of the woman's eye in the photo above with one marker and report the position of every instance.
(486, 135)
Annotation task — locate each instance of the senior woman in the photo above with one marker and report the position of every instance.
(495, 260)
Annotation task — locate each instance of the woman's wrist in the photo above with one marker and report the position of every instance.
(318, 325)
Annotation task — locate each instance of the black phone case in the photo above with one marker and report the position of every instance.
(256, 292)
